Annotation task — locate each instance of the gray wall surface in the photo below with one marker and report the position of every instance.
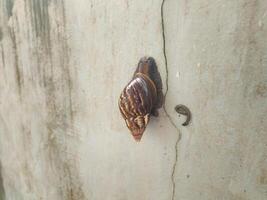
(63, 65)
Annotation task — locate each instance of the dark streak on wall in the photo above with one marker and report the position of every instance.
(55, 78)
(2, 190)
(3, 57)
(9, 7)
(40, 20)
(1, 34)
(16, 61)
(59, 118)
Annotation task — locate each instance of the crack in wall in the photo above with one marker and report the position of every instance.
(165, 95)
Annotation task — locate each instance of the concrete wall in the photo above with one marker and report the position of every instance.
(63, 65)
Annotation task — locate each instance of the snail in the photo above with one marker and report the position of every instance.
(142, 97)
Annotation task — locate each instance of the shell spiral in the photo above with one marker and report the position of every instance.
(141, 97)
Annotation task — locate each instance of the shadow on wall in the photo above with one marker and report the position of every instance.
(2, 191)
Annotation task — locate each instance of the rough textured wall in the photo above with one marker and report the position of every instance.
(63, 65)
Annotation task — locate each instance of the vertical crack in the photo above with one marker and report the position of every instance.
(165, 96)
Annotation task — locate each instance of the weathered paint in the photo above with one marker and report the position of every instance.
(63, 65)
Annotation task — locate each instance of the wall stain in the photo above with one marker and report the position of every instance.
(3, 57)
(74, 190)
(26, 169)
(262, 179)
(9, 7)
(19, 79)
(251, 50)
(2, 189)
(57, 84)
(11, 30)
(62, 162)
(40, 20)
(261, 90)
(2, 54)
(66, 52)
(1, 34)
(58, 94)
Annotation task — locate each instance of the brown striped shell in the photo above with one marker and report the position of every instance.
(141, 97)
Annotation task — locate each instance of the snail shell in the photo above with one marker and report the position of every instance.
(141, 97)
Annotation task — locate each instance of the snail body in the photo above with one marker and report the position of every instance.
(141, 97)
